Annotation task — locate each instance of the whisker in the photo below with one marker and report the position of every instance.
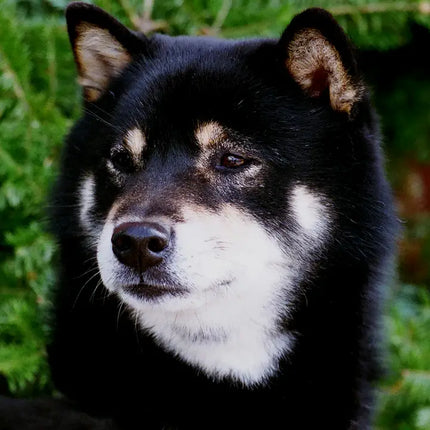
(93, 294)
(82, 288)
(136, 324)
(99, 118)
(95, 267)
(77, 205)
(120, 310)
(105, 112)
(94, 257)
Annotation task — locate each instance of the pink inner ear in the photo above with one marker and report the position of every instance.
(320, 82)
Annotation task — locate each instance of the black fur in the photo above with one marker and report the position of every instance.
(47, 414)
(100, 359)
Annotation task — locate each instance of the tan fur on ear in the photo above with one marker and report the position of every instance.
(100, 58)
(315, 65)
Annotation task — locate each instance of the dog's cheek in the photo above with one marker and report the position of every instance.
(105, 257)
(201, 248)
(87, 208)
(213, 247)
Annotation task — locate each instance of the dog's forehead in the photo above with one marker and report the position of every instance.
(190, 45)
(196, 59)
(195, 92)
(189, 77)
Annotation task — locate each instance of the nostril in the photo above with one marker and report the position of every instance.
(157, 244)
(122, 242)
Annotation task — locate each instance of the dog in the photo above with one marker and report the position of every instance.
(224, 227)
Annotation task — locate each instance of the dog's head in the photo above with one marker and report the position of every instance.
(207, 168)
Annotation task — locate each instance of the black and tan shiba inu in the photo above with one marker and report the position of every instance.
(224, 227)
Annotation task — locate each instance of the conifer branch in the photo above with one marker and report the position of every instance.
(148, 6)
(420, 7)
(129, 11)
(16, 85)
(222, 15)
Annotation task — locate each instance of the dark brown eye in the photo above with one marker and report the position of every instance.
(122, 161)
(231, 161)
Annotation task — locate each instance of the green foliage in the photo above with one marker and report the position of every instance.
(379, 24)
(407, 131)
(39, 101)
(405, 395)
(34, 115)
(22, 354)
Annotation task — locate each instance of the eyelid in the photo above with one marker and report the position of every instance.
(118, 148)
(233, 158)
(250, 165)
(124, 152)
(122, 149)
(238, 151)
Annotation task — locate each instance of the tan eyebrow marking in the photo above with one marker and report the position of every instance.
(209, 133)
(135, 142)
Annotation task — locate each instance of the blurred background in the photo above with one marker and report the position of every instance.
(39, 100)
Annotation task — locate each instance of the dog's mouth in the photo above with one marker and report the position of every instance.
(145, 291)
(153, 291)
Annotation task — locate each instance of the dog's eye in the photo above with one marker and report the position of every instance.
(122, 161)
(231, 161)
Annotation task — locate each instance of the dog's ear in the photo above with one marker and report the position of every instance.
(102, 47)
(319, 57)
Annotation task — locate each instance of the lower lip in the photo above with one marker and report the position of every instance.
(144, 291)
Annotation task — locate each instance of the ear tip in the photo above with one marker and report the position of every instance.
(323, 21)
(78, 7)
(320, 57)
(80, 11)
(318, 11)
(76, 12)
(314, 17)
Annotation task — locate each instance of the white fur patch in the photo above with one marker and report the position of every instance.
(309, 211)
(86, 201)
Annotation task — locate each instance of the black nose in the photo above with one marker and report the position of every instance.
(140, 245)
